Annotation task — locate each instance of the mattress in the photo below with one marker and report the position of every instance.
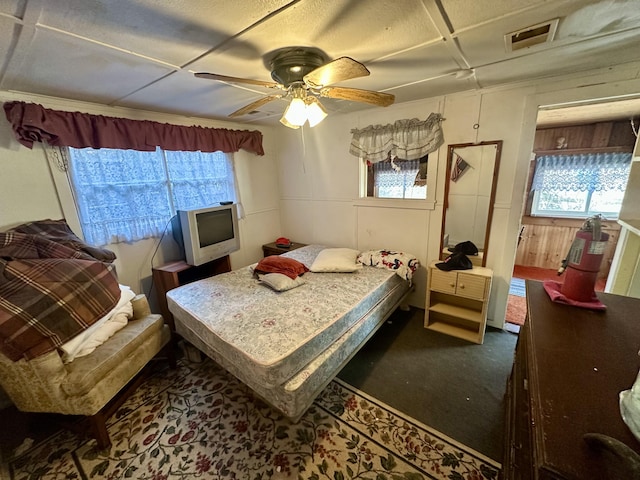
(269, 337)
(294, 396)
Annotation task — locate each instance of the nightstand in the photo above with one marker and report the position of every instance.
(457, 302)
(271, 249)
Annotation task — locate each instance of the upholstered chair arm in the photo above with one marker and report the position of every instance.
(34, 385)
(141, 307)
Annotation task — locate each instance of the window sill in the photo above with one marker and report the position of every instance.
(405, 203)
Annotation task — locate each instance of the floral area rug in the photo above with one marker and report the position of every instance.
(197, 421)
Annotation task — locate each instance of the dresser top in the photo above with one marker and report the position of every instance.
(579, 361)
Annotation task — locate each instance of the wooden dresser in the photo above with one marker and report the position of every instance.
(570, 366)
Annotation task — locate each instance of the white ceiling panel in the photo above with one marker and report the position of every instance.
(186, 95)
(13, 8)
(567, 59)
(62, 66)
(464, 14)
(174, 32)
(142, 53)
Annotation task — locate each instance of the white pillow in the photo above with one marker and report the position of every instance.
(336, 260)
(280, 282)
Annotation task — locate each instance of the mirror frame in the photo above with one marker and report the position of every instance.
(492, 197)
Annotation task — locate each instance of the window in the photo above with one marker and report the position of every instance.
(128, 195)
(398, 178)
(580, 185)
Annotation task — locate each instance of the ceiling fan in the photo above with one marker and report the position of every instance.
(303, 74)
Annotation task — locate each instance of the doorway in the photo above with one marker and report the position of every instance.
(544, 239)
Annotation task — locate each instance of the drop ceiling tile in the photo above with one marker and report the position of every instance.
(184, 94)
(12, 7)
(361, 30)
(421, 64)
(464, 14)
(175, 32)
(583, 56)
(61, 66)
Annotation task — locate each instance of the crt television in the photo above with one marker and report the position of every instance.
(209, 233)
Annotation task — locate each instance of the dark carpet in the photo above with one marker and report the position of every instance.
(449, 384)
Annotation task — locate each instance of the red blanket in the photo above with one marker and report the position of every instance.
(52, 287)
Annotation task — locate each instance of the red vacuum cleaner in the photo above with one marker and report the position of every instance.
(582, 265)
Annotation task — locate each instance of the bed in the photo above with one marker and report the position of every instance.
(286, 346)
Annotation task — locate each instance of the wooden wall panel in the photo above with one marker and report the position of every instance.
(594, 135)
(546, 241)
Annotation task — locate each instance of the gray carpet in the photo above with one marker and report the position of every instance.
(449, 384)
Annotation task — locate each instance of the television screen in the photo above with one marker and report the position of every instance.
(214, 227)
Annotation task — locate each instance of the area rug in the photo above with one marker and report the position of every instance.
(516, 310)
(197, 421)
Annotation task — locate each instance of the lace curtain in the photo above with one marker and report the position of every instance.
(398, 179)
(582, 172)
(406, 139)
(128, 195)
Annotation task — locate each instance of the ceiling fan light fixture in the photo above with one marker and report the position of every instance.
(315, 111)
(296, 112)
(284, 122)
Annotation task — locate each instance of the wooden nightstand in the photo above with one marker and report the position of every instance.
(457, 302)
(271, 249)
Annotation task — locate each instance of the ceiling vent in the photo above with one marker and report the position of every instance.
(530, 36)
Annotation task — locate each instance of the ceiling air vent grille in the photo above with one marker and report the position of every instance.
(530, 36)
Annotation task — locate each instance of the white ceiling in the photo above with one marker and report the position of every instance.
(142, 53)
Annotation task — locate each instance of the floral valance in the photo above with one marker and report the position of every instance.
(34, 123)
(584, 172)
(406, 139)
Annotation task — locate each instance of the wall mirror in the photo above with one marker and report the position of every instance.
(469, 195)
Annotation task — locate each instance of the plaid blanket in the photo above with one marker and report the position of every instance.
(51, 288)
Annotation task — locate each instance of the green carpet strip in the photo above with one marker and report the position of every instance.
(197, 421)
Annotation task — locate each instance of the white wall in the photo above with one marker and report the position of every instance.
(28, 192)
(320, 179)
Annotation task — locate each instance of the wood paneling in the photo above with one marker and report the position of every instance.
(594, 135)
(546, 241)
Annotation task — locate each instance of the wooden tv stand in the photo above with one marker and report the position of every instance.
(174, 274)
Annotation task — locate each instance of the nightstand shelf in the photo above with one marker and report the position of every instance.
(457, 302)
(462, 313)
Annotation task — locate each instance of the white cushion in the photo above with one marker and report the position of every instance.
(336, 260)
(280, 282)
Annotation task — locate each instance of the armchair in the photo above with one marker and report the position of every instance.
(94, 385)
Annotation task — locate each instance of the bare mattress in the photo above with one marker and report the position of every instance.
(285, 345)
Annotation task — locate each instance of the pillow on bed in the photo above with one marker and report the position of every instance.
(277, 264)
(336, 260)
(280, 282)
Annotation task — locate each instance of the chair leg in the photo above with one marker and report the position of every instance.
(98, 425)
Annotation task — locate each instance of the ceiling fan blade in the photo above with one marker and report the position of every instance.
(338, 70)
(224, 78)
(254, 105)
(356, 95)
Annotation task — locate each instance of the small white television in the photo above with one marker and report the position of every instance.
(209, 233)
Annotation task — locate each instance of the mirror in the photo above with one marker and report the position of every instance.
(469, 195)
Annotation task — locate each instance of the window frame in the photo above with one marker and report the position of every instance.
(166, 182)
(533, 209)
(370, 180)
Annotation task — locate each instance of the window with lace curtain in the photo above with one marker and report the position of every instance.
(398, 178)
(580, 185)
(128, 195)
